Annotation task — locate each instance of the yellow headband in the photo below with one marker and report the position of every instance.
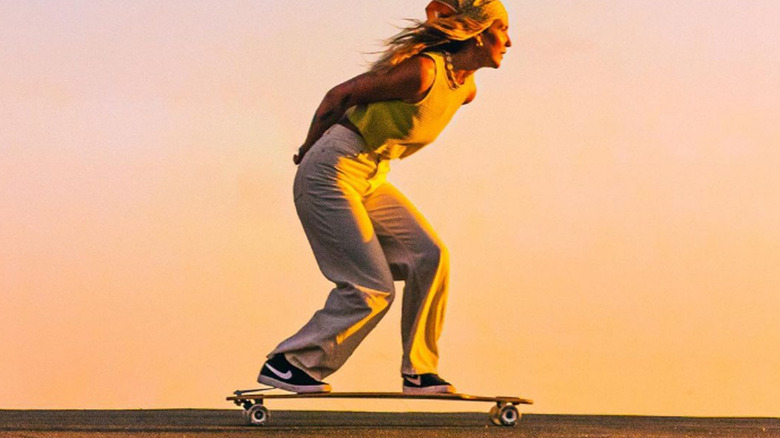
(463, 19)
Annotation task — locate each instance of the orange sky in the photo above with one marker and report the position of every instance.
(610, 200)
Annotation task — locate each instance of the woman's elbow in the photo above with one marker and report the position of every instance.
(338, 97)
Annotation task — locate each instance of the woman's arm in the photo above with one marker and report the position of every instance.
(408, 81)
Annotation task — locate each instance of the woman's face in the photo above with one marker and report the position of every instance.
(495, 41)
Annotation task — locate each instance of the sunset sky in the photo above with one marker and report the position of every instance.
(611, 202)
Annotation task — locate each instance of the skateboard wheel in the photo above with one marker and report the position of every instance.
(257, 415)
(508, 415)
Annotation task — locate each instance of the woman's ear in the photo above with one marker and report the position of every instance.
(436, 9)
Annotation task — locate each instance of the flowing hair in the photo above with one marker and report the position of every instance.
(421, 36)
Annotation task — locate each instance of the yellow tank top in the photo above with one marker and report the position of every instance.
(396, 129)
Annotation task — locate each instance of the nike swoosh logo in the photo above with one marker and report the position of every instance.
(281, 375)
(416, 380)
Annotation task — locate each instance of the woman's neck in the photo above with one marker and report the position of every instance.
(463, 65)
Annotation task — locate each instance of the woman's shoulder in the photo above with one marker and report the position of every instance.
(433, 57)
(430, 63)
(427, 60)
(424, 66)
(408, 81)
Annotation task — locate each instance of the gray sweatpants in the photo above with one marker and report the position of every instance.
(365, 234)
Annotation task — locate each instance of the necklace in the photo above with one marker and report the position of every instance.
(448, 67)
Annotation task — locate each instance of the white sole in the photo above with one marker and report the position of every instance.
(442, 389)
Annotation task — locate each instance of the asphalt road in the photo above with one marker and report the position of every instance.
(222, 423)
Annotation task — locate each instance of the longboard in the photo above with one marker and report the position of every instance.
(504, 413)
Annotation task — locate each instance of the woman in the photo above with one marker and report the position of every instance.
(364, 233)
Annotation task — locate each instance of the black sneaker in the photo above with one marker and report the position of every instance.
(280, 373)
(426, 384)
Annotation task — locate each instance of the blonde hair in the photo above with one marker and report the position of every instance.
(469, 19)
(412, 40)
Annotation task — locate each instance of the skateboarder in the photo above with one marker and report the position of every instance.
(364, 233)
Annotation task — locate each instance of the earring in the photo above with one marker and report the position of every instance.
(479, 41)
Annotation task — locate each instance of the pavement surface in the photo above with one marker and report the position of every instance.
(228, 423)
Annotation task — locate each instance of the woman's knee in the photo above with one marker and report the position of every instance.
(378, 300)
(433, 255)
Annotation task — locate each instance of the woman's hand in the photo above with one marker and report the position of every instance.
(299, 156)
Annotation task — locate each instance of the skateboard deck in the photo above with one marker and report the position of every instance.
(504, 413)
